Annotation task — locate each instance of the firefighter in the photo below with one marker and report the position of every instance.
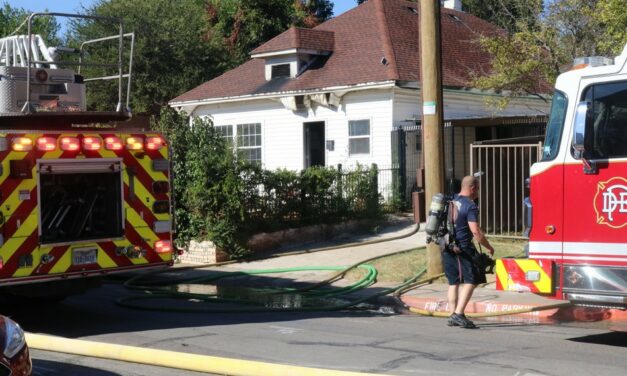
(459, 265)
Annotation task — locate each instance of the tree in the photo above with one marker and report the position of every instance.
(507, 14)
(613, 16)
(171, 53)
(528, 59)
(239, 26)
(181, 44)
(12, 18)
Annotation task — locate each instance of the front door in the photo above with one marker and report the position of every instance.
(314, 143)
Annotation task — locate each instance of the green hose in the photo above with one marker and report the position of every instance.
(159, 289)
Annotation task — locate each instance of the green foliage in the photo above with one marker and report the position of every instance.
(11, 18)
(221, 197)
(171, 53)
(528, 59)
(613, 17)
(236, 27)
(507, 14)
(181, 44)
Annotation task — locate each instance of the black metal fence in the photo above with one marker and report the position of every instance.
(406, 161)
(284, 199)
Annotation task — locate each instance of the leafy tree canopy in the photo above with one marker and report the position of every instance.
(12, 18)
(170, 56)
(181, 44)
(528, 59)
(239, 26)
(507, 14)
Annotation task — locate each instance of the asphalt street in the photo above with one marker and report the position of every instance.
(365, 341)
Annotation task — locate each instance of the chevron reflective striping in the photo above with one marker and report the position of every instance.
(11, 266)
(135, 236)
(512, 275)
(21, 211)
(57, 253)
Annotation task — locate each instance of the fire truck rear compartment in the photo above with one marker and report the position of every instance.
(80, 204)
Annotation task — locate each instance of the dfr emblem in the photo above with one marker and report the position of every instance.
(610, 202)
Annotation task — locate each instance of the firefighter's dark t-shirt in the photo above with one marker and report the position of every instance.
(467, 211)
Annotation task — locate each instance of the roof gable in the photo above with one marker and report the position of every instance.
(298, 38)
(377, 41)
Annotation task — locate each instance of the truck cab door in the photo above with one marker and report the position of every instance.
(595, 195)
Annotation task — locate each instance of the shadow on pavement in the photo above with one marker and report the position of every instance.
(610, 339)
(48, 368)
(96, 312)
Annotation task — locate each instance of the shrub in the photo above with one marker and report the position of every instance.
(221, 197)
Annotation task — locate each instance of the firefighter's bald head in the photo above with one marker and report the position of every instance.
(470, 187)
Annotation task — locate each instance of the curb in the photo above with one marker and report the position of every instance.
(581, 314)
(177, 360)
(441, 305)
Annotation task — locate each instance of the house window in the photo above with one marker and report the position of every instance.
(281, 70)
(226, 131)
(359, 137)
(249, 141)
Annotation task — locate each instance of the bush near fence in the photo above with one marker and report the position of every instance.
(221, 197)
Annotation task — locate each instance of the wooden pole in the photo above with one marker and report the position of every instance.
(431, 91)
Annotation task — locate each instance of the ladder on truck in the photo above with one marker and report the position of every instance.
(25, 61)
(14, 51)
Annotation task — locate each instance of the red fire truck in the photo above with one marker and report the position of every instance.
(577, 209)
(81, 194)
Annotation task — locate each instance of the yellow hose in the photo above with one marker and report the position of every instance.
(425, 312)
(172, 359)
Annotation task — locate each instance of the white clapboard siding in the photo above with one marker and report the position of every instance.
(407, 106)
(282, 130)
(386, 108)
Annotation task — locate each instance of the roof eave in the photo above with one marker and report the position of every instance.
(248, 97)
(290, 51)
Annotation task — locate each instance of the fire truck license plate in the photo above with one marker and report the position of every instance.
(84, 256)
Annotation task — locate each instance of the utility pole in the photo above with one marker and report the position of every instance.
(432, 108)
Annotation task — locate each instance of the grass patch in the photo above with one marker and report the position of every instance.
(401, 267)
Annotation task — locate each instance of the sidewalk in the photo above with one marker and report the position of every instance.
(398, 235)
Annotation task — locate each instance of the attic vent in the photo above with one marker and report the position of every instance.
(280, 70)
(413, 10)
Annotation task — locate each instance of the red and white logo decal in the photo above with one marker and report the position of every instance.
(610, 202)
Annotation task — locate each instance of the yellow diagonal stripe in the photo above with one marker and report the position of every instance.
(145, 196)
(544, 284)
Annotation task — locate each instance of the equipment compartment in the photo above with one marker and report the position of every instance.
(80, 201)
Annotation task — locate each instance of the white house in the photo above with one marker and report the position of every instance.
(333, 94)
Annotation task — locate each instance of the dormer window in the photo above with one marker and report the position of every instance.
(280, 70)
(290, 54)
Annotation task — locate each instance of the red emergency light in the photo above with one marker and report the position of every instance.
(70, 143)
(46, 143)
(113, 143)
(154, 143)
(91, 143)
(163, 246)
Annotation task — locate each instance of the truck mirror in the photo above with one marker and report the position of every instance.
(580, 127)
(579, 138)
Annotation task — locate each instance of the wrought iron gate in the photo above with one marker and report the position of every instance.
(503, 185)
(406, 157)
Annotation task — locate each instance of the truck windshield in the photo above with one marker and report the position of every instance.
(555, 126)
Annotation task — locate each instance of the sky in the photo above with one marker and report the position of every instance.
(74, 6)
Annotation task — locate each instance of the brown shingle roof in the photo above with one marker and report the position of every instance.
(297, 37)
(363, 36)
